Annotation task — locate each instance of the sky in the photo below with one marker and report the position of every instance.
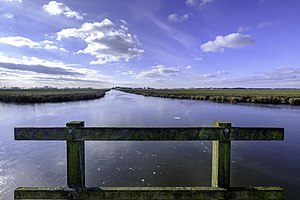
(150, 43)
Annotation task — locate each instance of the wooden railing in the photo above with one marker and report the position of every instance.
(221, 136)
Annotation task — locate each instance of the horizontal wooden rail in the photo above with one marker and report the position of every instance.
(149, 133)
(157, 193)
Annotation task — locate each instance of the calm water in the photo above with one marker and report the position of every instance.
(43, 163)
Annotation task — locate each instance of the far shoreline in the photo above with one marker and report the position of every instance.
(50, 96)
(258, 96)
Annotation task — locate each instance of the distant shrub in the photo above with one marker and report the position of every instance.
(201, 97)
(261, 100)
(235, 99)
(294, 101)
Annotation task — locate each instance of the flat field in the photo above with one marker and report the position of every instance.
(45, 92)
(42, 96)
(267, 96)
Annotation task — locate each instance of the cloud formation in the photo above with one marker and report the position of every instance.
(202, 76)
(201, 3)
(105, 41)
(159, 71)
(76, 80)
(242, 29)
(267, 23)
(37, 65)
(55, 8)
(198, 58)
(222, 72)
(191, 2)
(13, 1)
(289, 77)
(7, 15)
(174, 17)
(233, 40)
(184, 39)
(204, 2)
(19, 41)
(34, 65)
(285, 73)
(39, 69)
(33, 71)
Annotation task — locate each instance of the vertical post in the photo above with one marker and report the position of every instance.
(75, 157)
(221, 160)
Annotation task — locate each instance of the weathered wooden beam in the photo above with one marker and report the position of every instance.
(45, 133)
(42, 193)
(150, 133)
(75, 159)
(157, 193)
(221, 151)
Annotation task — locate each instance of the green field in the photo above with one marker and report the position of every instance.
(46, 92)
(43, 96)
(225, 92)
(267, 96)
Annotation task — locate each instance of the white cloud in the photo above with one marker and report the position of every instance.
(8, 15)
(174, 17)
(55, 8)
(201, 3)
(159, 71)
(198, 58)
(267, 23)
(242, 29)
(125, 28)
(204, 2)
(263, 24)
(46, 44)
(129, 73)
(13, 1)
(222, 72)
(233, 40)
(19, 41)
(105, 41)
(189, 67)
(202, 76)
(191, 2)
(123, 21)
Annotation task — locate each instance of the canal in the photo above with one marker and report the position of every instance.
(43, 163)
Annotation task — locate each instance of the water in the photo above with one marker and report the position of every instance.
(43, 163)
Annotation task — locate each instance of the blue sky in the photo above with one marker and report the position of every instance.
(155, 43)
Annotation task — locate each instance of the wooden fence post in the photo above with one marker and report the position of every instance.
(221, 160)
(75, 158)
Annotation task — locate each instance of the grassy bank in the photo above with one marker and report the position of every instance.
(265, 96)
(43, 96)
